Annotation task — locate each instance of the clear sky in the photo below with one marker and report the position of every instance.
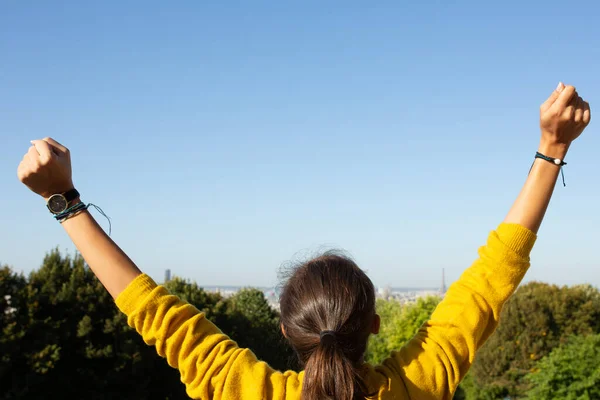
(224, 140)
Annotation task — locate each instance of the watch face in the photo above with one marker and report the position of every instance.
(57, 203)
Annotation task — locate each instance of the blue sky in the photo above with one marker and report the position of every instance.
(224, 140)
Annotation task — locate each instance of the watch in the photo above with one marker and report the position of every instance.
(58, 203)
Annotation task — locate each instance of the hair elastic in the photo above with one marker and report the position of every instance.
(326, 333)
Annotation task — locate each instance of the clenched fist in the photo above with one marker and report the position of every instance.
(46, 168)
(563, 117)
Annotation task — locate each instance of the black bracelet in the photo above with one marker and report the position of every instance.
(556, 161)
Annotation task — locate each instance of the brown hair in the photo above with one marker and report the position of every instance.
(327, 313)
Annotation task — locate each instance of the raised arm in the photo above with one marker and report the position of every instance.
(46, 170)
(211, 365)
(434, 362)
(563, 117)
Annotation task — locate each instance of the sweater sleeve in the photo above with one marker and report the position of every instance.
(435, 361)
(211, 365)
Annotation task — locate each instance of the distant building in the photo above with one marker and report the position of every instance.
(167, 275)
(443, 288)
(385, 293)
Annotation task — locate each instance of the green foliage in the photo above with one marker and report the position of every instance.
(246, 317)
(211, 304)
(537, 319)
(399, 323)
(468, 390)
(71, 340)
(569, 372)
(12, 316)
(255, 325)
(465, 389)
(62, 336)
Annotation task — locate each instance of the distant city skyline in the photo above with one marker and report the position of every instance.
(167, 278)
(404, 295)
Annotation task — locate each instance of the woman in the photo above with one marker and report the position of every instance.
(328, 304)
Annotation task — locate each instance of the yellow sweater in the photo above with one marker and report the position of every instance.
(430, 366)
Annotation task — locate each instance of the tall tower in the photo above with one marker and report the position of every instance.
(167, 275)
(443, 288)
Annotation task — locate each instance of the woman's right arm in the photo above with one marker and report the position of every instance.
(434, 362)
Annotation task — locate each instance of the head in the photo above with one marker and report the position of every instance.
(327, 315)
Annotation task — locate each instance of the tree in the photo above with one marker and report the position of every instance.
(255, 325)
(71, 340)
(213, 305)
(538, 318)
(569, 372)
(399, 323)
(62, 335)
(246, 317)
(12, 316)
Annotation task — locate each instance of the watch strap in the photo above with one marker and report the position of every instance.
(71, 195)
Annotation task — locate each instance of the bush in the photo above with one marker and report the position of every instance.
(537, 319)
(570, 372)
(399, 323)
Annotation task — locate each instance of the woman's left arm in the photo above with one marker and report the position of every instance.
(46, 170)
(212, 366)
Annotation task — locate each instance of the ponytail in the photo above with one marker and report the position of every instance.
(329, 374)
(329, 292)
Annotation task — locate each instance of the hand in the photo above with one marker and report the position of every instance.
(563, 117)
(46, 168)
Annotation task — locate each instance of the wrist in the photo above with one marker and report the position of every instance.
(554, 150)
